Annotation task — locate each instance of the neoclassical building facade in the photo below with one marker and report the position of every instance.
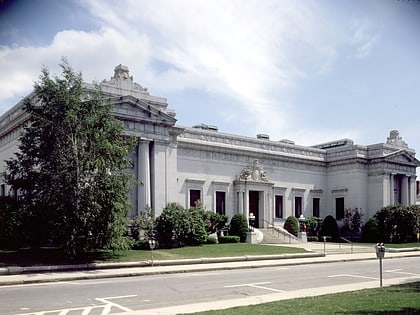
(232, 174)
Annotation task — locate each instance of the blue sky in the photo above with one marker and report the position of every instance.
(308, 71)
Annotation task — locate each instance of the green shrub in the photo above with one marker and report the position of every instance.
(329, 228)
(370, 231)
(291, 225)
(397, 224)
(143, 245)
(229, 239)
(211, 240)
(177, 227)
(312, 226)
(312, 238)
(239, 226)
(213, 221)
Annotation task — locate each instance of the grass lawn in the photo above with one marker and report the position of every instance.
(31, 257)
(401, 299)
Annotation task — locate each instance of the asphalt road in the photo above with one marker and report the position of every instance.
(108, 296)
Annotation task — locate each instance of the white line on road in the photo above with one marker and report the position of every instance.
(254, 285)
(351, 276)
(105, 300)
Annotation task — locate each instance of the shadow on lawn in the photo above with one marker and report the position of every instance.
(50, 256)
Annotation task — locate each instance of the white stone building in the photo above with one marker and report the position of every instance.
(235, 174)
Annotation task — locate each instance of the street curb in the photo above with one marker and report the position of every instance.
(16, 270)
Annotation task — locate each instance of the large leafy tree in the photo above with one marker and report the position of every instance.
(70, 171)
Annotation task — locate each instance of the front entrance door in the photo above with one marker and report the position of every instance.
(254, 205)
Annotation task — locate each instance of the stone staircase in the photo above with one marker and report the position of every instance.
(275, 237)
(272, 236)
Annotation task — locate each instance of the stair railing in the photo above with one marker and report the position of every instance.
(346, 241)
(281, 231)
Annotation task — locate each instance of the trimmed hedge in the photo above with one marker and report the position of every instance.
(291, 225)
(211, 240)
(229, 239)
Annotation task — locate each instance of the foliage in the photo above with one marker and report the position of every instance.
(70, 170)
(213, 221)
(329, 228)
(239, 226)
(11, 223)
(143, 226)
(370, 231)
(397, 224)
(211, 240)
(312, 225)
(291, 225)
(352, 222)
(229, 239)
(177, 227)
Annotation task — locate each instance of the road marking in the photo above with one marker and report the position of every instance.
(257, 285)
(109, 303)
(399, 271)
(106, 307)
(351, 276)
(393, 270)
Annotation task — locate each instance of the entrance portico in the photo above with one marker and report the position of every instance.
(253, 194)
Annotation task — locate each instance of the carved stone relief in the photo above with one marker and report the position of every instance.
(254, 172)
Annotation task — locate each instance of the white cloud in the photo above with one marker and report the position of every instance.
(256, 53)
(364, 37)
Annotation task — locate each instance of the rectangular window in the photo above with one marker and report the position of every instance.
(298, 206)
(220, 202)
(279, 206)
(195, 197)
(339, 208)
(315, 207)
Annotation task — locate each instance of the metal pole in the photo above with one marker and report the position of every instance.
(380, 271)
(151, 255)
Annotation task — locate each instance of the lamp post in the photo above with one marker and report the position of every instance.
(251, 221)
(301, 222)
(152, 244)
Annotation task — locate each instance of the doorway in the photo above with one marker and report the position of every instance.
(254, 206)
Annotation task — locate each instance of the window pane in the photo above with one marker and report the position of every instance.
(279, 207)
(315, 207)
(195, 196)
(220, 202)
(339, 208)
(298, 206)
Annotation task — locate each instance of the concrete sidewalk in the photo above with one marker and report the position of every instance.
(315, 255)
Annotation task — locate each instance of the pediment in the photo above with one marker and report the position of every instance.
(402, 157)
(133, 109)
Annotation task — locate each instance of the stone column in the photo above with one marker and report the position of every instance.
(241, 201)
(143, 174)
(404, 191)
(391, 190)
(412, 190)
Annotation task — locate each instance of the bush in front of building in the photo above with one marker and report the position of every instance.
(313, 225)
(11, 224)
(329, 228)
(239, 226)
(229, 239)
(393, 224)
(370, 231)
(291, 225)
(177, 227)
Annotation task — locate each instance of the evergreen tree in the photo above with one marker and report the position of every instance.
(70, 171)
